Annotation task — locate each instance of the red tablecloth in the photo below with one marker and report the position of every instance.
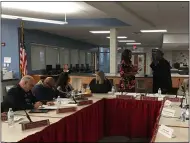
(85, 125)
(107, 117)
(131, 118)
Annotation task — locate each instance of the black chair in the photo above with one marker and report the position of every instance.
(111, 81)
(77, 68)
(49, 69)
(82, 69)
(58, 68)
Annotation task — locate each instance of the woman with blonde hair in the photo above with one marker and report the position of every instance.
(100, 84)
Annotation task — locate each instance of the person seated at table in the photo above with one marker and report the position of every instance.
(100, 84)
(63, 85)
(20, 96)
(46, 91)
(42, 78)
(183, 88)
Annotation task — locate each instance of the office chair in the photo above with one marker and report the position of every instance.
(49, 69)
(82, 68)
(58, 68)
(87, 69)
(77, 68)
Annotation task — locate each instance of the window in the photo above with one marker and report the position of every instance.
(37, 57)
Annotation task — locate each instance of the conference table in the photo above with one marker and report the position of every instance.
(107, 116)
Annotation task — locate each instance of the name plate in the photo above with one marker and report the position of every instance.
(87, 95)
(66, 109)
(168, 112)
(166, 131)
(167, 103)
(85, 102)
(149, 98)
(173, 99)
(4, 117)
(37, 124)
(125, 96)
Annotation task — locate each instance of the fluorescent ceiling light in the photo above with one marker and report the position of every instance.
(120, 37)
(99, 32)
(33, 19)
(46, 7)
(133, 43)
(126, 40)
(146, 31)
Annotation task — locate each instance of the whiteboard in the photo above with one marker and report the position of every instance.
(64, 56)
(52, 56)
(74, 57)
(38, 57)
(82, 56)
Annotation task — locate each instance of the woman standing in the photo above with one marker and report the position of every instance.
(127, 73)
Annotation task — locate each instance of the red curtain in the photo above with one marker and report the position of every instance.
(107, 117)
(84, 126)
(131, 118)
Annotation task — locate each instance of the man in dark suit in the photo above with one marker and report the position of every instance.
(46, 91)
(161, 73)
(20, 96)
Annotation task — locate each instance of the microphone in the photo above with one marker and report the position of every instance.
(28, 117)
(74, 100)
(178, 86)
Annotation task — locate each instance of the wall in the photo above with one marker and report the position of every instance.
(39, 37)
(180, 56)
(10, 36)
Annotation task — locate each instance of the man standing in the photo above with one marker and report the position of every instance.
(161, 73)
(20, 96)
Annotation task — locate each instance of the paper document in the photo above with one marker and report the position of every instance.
(166, 131)
(16, 119)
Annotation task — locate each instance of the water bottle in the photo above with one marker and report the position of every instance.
(113, 90)
(159, 92)
(73, 93)
(58, 101)
(10, 117)
(88, 87)
(183, 115)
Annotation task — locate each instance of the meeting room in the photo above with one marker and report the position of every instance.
(91, 71)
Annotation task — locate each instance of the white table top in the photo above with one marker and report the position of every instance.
(17, 134)
(181, 135)
(174, 121)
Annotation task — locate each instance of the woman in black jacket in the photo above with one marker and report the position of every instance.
(100, 84)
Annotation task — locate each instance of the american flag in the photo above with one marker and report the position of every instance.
(23, 58)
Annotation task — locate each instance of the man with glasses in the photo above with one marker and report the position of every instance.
(20, 96)
(46, 91)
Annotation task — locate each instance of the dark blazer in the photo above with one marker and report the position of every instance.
(18, 99)
(161, 76)
(43, 93)
(100, 88)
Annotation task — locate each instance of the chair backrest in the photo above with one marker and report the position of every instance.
(111, 81)
(8, 87)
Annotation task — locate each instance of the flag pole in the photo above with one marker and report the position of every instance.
(21, 44)
(22, 31)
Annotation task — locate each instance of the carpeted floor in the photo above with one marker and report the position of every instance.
(119, 139)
